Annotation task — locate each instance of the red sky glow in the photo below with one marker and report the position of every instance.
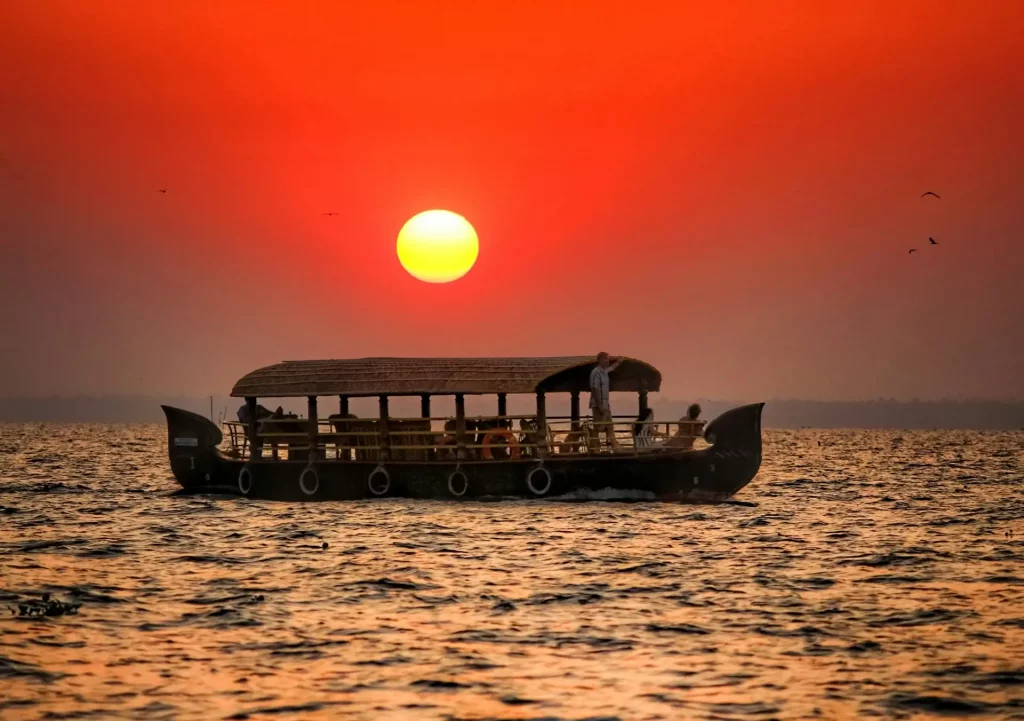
(727, 192)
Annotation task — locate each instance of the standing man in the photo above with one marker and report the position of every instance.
(600, 403)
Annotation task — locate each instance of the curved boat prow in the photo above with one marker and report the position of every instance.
(192, 442)
(739, 427)
(735, 452)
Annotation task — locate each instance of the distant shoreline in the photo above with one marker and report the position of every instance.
(879, 414)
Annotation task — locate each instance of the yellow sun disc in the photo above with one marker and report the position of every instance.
(437, 246)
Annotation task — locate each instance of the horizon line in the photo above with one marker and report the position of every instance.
(699, 399)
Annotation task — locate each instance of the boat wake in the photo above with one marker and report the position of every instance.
(606, 494)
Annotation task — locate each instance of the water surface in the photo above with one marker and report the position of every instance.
(874, 576)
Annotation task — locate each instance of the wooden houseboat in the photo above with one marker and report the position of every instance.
(278, 456)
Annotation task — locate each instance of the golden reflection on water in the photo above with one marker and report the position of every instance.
(874, 575)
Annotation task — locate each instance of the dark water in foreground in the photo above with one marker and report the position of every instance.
(874, 577)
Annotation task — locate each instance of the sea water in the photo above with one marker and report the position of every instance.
(872, 573)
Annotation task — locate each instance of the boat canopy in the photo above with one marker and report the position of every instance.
(438, 376)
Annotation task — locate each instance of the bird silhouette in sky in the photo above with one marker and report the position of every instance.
(329, 214)
(932, 240)
(161, 190)
(928, 192)
(911, 250)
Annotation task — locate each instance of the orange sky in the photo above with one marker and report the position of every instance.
(728, 193)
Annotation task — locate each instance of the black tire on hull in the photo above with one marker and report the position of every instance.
(458, 483)
(245, 480)
(539, 489)
(379, 481)
(309, 481)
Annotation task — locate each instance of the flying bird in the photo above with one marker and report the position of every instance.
(932, 240)
(161, 190)
(911, 250)
(328, 213)
(928, 192)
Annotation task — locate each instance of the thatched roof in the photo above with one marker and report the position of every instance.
(437, 376)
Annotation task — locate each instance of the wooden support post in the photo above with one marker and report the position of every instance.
(643, 402)
(542, 425)
(343, 440)
(502, 404)
(460, 426)
(314, 427)
(385, 439)
(254, 453)
(425, 406)
(574, 409)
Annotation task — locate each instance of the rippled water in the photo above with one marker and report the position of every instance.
(874, 575)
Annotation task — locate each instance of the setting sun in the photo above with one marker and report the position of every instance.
(437, 246)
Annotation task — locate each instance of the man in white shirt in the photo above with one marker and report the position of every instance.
(600, 403)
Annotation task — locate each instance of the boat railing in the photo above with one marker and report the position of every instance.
(435, 438)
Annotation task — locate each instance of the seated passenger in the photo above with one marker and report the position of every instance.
(645, 435)
(530, 436)
(573, 442)
(690, 429)
(343, 438)
(446, 442)
(284, 435)
(243, 413)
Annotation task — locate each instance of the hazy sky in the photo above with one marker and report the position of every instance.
(727, 193)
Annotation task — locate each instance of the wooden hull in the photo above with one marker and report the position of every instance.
(708, 475)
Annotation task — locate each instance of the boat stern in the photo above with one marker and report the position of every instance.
(192, 442)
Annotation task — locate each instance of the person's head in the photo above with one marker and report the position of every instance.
(693, 412)
(603, 359)
(645, 415)
(279, 411)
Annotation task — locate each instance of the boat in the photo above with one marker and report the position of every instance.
(277, 456)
